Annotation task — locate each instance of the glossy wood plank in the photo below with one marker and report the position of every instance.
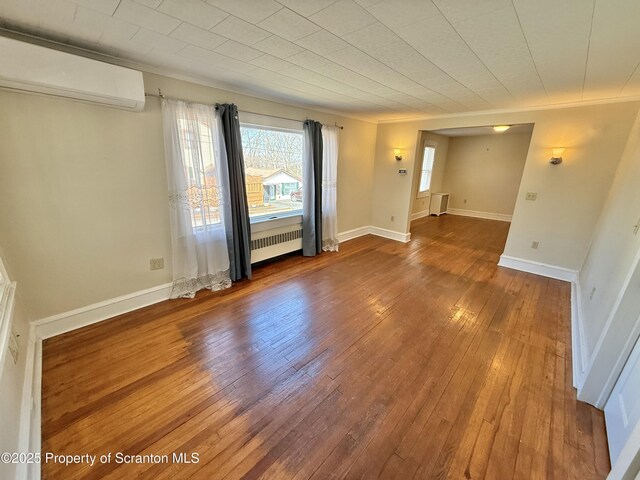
(385, 360)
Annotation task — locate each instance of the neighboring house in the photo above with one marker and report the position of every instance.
(277, 184)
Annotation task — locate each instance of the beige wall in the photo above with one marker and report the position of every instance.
(570, 196)
(84, 203)
(439, 164)
(485, 171)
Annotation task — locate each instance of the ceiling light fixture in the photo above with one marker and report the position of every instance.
(501, 128)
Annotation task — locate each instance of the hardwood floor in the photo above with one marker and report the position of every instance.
(386, 360)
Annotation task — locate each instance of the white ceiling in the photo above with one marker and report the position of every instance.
(381, 60)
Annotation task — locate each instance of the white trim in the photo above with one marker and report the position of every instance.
(354, 233)
(417, 215)
(486, 215)
(390, 234)
(370, 230)
(621, 361)
(269, 122)
(598, 382)
(537, 108)
(579, 358)
(30, 410)
(263, 223)
(627, 465)
(81, 317)
(538, 268)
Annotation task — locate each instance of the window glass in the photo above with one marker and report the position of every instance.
(203, 190)
(427, 168)
(273, 169)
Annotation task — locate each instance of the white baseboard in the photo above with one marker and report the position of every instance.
(355, 233)
(579, 358)
(369, 230)
(486, 215)
(538, 268)
(81, 317)
(417, 215)
(390, 234)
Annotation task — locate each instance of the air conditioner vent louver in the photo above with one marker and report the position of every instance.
(275, 239)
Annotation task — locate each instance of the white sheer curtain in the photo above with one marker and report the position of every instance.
(198, 180)
(330, 188)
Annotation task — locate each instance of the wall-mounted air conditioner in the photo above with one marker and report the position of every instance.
(31, 68)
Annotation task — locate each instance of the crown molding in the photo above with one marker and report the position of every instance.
(552, 106)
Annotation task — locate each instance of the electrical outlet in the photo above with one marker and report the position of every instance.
(535, 244)
(156, 263)
(531, 196)
(14, 346)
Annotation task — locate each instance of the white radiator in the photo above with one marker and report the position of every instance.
(439, 203)
(274, 242)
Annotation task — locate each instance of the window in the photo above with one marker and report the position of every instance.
(203, 193)
(273, 169)
(427, 169)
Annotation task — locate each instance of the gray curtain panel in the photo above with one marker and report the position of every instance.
(239, 235)
(312, 189)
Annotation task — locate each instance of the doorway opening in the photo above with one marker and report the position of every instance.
(469, 171)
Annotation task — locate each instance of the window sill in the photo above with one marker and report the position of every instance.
(269, 222)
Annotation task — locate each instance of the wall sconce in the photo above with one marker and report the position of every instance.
(397, 152)
(556, 159)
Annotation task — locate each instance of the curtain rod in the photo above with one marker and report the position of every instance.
(161, 95)
(285, 118)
